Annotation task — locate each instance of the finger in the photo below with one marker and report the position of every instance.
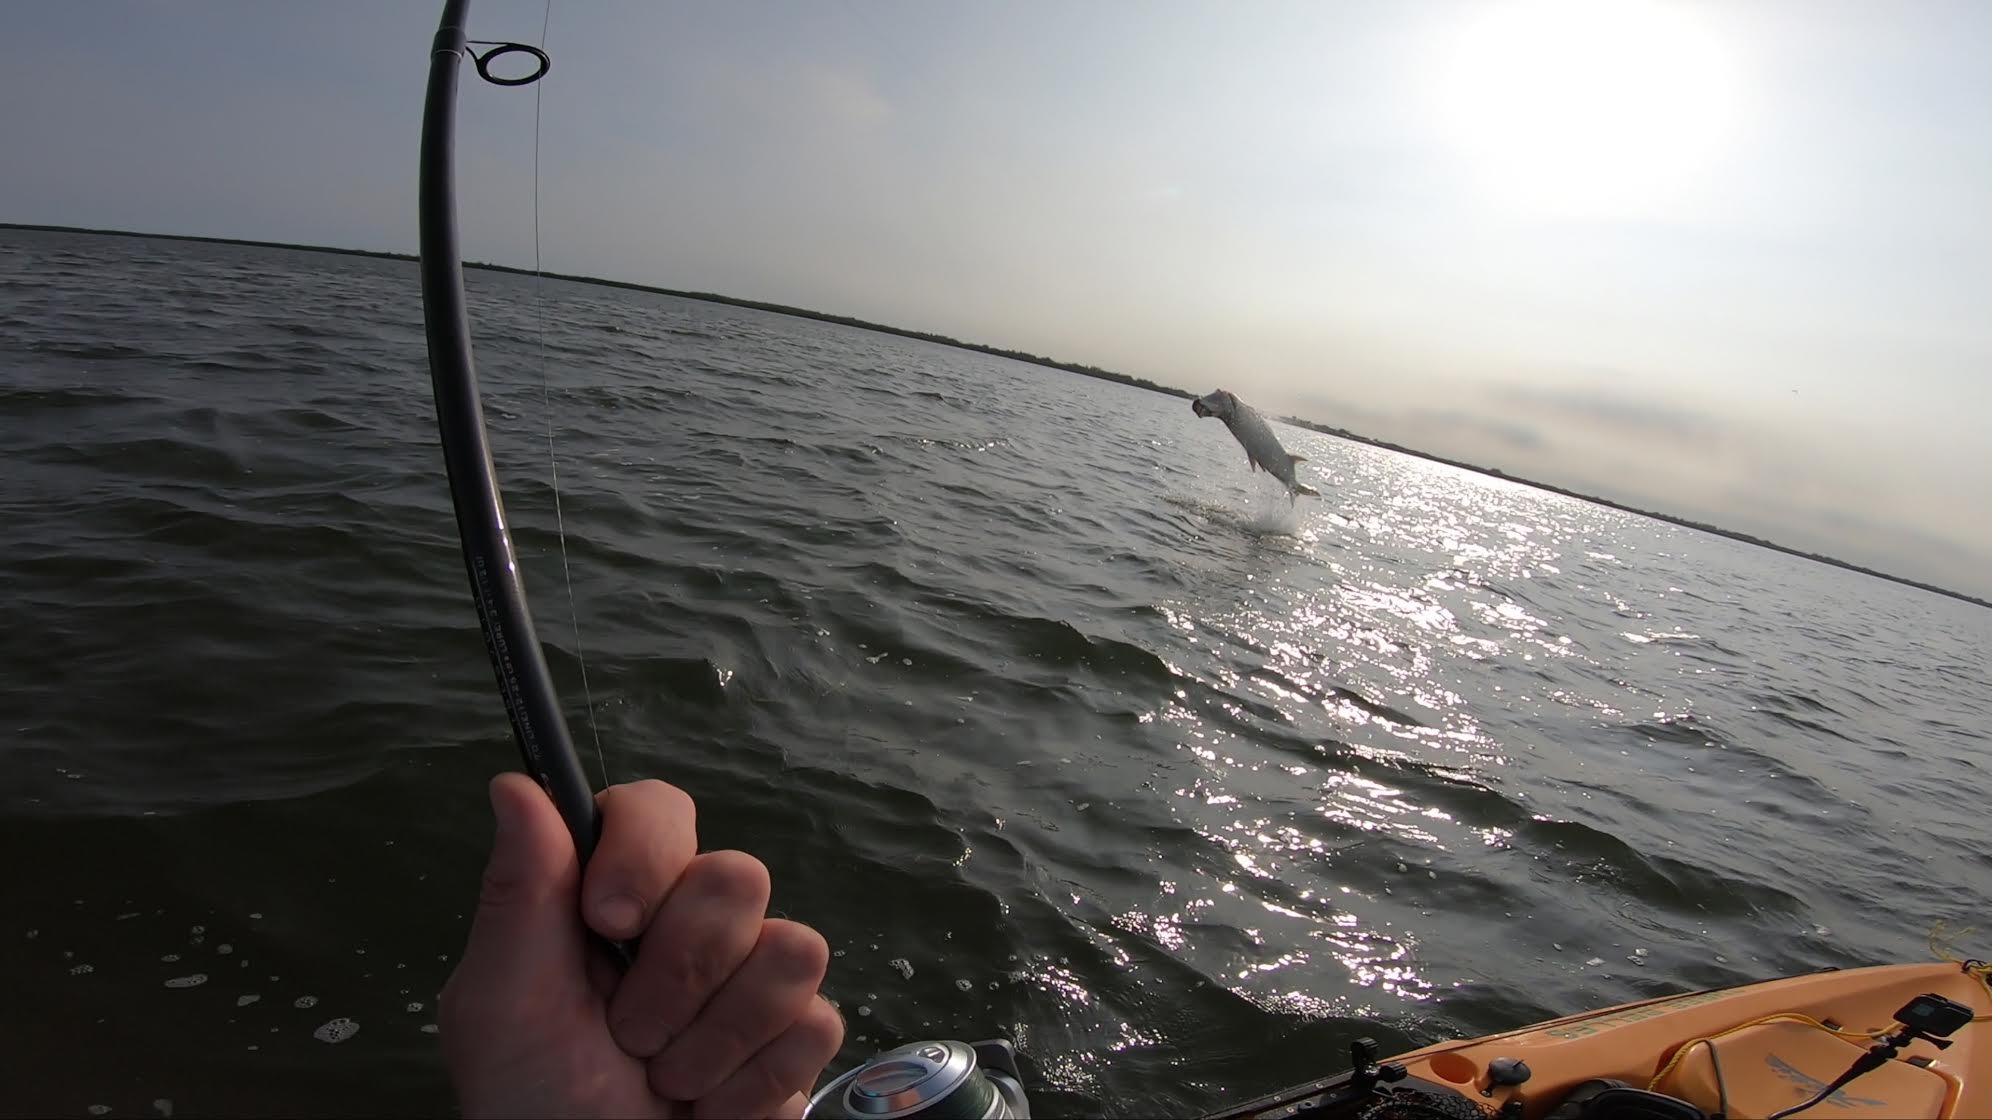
(522, 929)
(792, 1108)
(706, 927)
(525, 905)
(759, 1002)
(649, 835)
(779, 1078)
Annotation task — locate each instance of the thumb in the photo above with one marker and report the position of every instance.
(521, 967)
(528, 909)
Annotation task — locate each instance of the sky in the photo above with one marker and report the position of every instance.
(1729, 261)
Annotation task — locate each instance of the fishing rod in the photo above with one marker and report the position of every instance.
(950, 1078)
(496, 586)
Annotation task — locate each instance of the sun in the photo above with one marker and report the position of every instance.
(1588, 107)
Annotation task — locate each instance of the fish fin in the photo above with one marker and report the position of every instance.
(1296, 458)
(1300, 488)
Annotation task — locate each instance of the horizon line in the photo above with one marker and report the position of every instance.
(1033, 359)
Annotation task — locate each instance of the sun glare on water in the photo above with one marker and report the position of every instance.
(1589, 107)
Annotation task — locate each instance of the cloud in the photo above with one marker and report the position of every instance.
(1802, 480)
(1460, 423)
(1641, 413)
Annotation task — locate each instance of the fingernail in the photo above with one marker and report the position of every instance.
(618, 914)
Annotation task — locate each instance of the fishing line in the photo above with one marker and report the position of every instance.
(491, 561)
(546, 402)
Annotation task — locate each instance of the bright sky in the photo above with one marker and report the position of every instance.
(1728, 260)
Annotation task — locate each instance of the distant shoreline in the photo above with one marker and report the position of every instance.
(1034, 359)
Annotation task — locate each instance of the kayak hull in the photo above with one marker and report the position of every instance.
(1748, 1051)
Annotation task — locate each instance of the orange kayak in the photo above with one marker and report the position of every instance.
(1747, 1053)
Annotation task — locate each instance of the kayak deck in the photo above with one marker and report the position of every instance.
(1741, 1052)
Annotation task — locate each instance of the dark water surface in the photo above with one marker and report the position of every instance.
(1049, 715)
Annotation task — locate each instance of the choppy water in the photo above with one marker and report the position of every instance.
(1014, 678)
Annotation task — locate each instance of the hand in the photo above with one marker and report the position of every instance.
(718, 1016)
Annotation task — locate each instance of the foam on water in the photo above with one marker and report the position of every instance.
(336, 1030)
(1254, 513)
(1272, 512)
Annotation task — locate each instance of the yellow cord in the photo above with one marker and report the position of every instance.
(1941, 940)
(1780, 1017)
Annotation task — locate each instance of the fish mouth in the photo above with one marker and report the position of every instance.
(1197, 406)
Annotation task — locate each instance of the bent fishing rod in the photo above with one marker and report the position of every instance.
(957, 1078)
(496, 586)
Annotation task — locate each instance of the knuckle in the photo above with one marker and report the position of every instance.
(824, 1024)
(800, 951)
(666, 794)
(730, 1042)
(754, 1091)
(691, 1071)
(695, 973)
(647, 841)
(820, 1035)
(734, 875)
(657, 799)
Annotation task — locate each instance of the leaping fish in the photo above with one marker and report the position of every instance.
(1262, 447)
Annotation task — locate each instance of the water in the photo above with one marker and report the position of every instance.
(1049, 715)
